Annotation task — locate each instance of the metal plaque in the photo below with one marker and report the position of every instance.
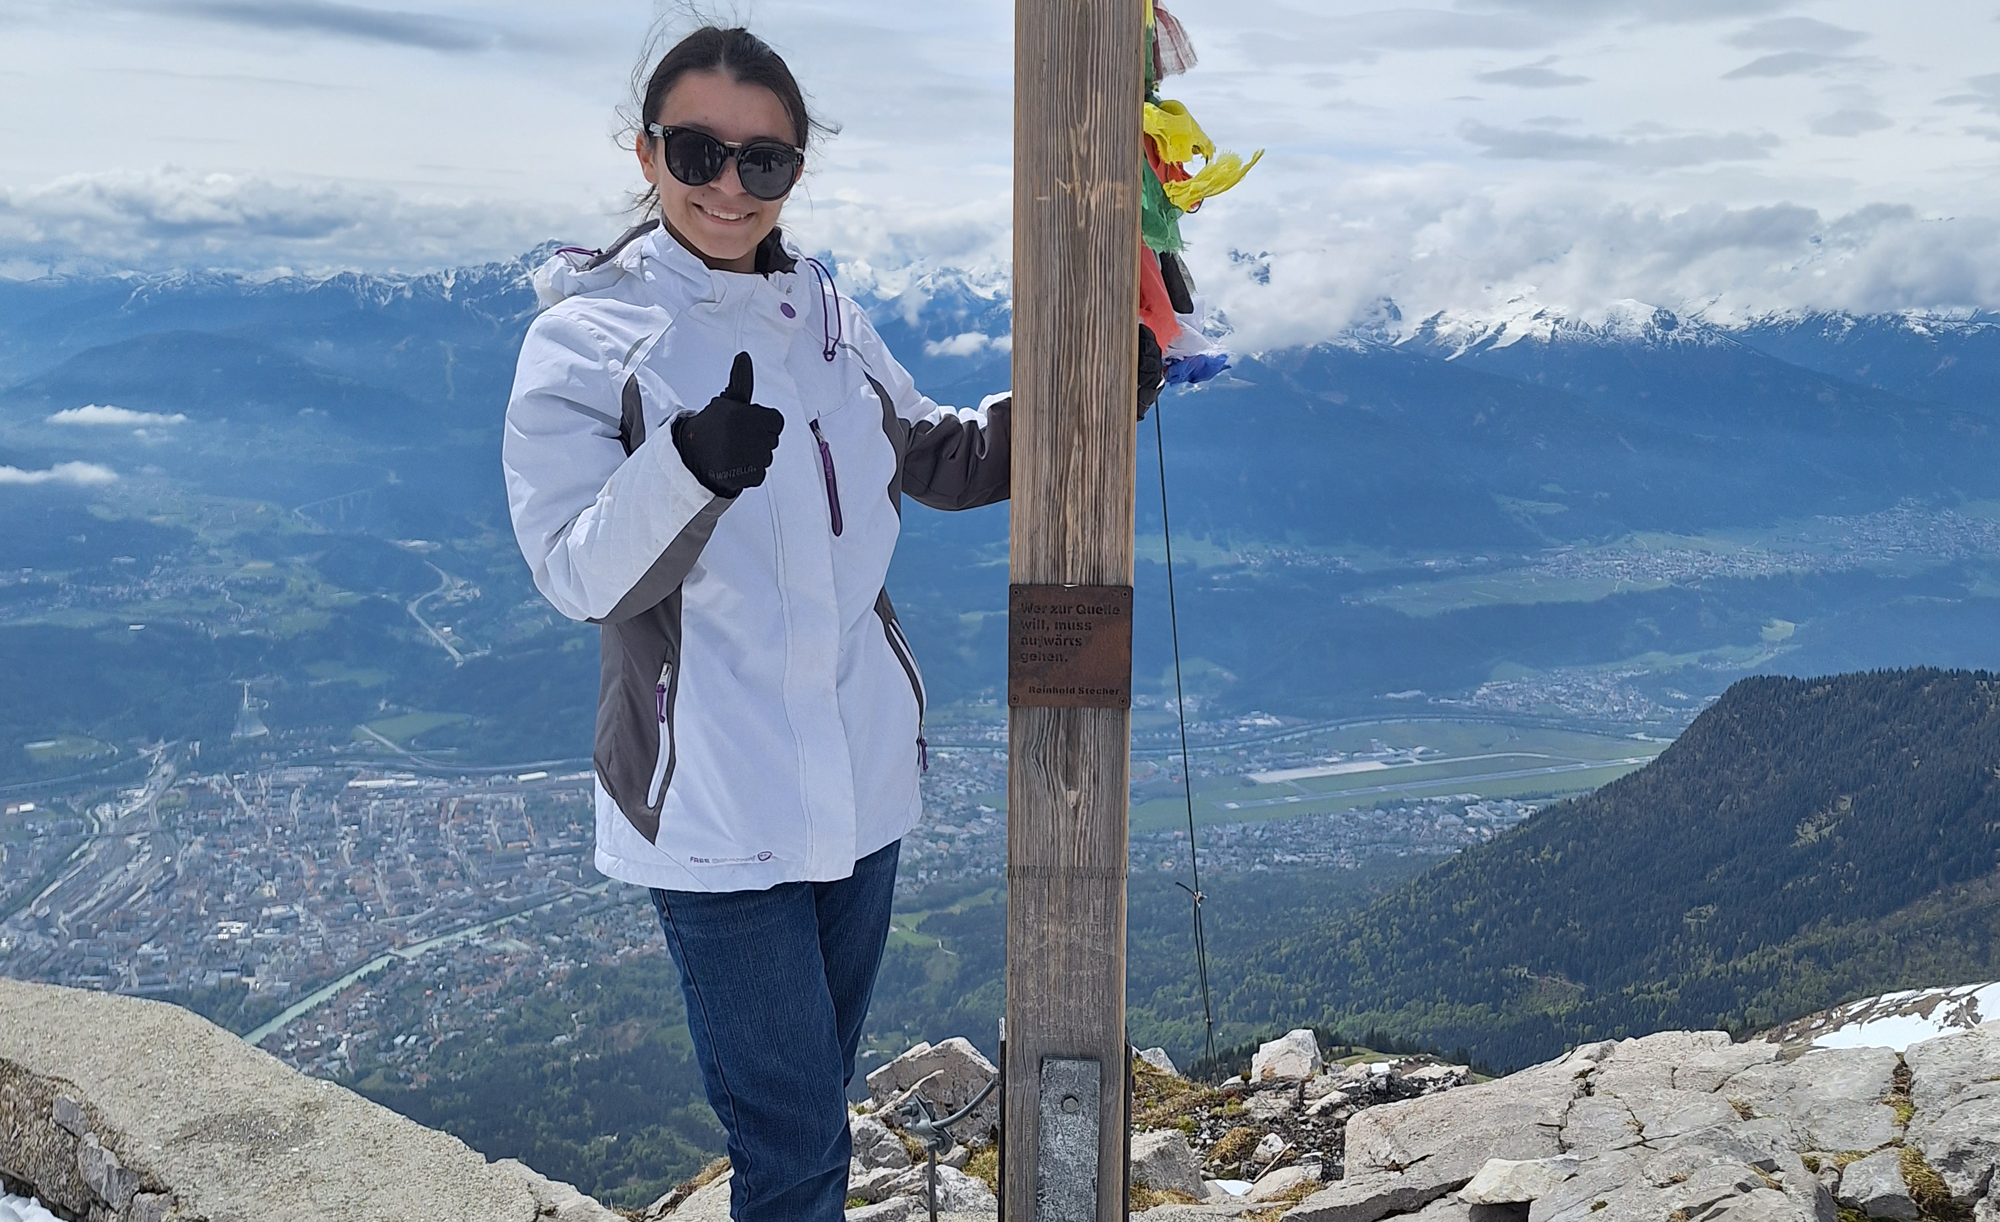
(1069, 647)
(1066, 1135)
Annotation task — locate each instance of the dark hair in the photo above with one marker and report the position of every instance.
(747, 59)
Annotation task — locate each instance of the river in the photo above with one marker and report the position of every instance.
(320, 996)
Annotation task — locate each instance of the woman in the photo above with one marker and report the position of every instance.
(760, 716)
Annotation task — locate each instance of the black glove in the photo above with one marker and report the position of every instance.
(1152, 370)
(728, 444)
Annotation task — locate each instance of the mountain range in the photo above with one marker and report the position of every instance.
(1645, 500)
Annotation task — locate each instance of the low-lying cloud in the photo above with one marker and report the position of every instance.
(1635, 152)
(105, 414)
(83, 474)
(398, 28)
(175, 217)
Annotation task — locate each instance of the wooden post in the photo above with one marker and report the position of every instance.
(1077, 158)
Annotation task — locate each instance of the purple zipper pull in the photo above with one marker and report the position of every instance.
(826, 468)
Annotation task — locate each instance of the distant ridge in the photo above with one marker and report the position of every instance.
(1804, 842)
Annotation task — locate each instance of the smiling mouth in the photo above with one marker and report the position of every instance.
(723, 218)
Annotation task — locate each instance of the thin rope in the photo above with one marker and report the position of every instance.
(1180, 711)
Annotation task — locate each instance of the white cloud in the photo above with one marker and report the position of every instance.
(1444, 153)
(1797, 34)
(175, 217)
(968, 343)
(102, 413)
(79, 473)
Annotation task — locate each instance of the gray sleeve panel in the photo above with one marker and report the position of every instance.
(955, 464)
(629, 735)
(673, 566)
(897, 430)
(666, 574)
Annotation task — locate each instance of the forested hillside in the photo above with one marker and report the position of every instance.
(1804, 841)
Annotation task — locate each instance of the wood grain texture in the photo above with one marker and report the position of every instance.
(1077, 94)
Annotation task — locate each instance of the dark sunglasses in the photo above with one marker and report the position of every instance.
(766, 168)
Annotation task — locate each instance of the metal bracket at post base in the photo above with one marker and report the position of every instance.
(1066, 1139)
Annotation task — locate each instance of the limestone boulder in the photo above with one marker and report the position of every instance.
(947, 1075)
(1158, 1059)
(875, 1144)
(1163, 1161)
(1875, 1186)
(1275, 1184)
(1294, 1054)
(1506, 1181)
(1835, 1098)
(1955, 1087)
(177, 1114)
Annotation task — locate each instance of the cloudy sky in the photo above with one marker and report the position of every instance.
(1733, 155)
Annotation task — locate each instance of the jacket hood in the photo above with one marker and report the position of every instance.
(573, 270)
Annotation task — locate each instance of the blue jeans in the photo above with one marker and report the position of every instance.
(777, 984)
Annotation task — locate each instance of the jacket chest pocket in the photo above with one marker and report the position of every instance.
(856, 455)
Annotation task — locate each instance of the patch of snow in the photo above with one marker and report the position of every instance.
(23, 1209)
(1235, 1188)
(1896, 1020)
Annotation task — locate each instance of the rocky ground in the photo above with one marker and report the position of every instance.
(119, 1110)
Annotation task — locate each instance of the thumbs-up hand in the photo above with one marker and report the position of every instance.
(728, 444)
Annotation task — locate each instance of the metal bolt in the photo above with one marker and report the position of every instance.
(1072, 1104)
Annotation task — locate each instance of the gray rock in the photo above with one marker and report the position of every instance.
(151, 1207)
(1693, 1061)
(1504, 1181)
(1274, 1184)
(1158, 1059)
(68, 1115)
(874, 1184)
(1438, 1077)
(1875, 1186)
(112, 1181)
(708, 1203)
(1294, 1054)
(1269, 1146)
(1955, 1085)
(875, 1144)
(1835, 1098)
(1269, 1106)
(1443, 1140)
(895, 1209)
(556, 1200)
(1163, 1160)
(957, 1191)
(949, 1075)
(227, 1129)
(1943, 1068)
(1368, 1200)
(1234, 1208)
(1647, 1186)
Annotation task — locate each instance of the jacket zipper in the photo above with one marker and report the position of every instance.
(900, 646)
(654, 794)
(826, 469)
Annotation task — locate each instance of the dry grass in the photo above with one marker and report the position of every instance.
(1146, 1198)
(1927, 1188)
(1160, 1099)
(985, 1167)
(1234, 1145)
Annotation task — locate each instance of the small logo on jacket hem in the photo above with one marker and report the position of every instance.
(729, 861)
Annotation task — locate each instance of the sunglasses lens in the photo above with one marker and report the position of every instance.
(767, 170)
(694, 158)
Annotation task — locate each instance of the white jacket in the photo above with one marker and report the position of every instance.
(760, 716)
